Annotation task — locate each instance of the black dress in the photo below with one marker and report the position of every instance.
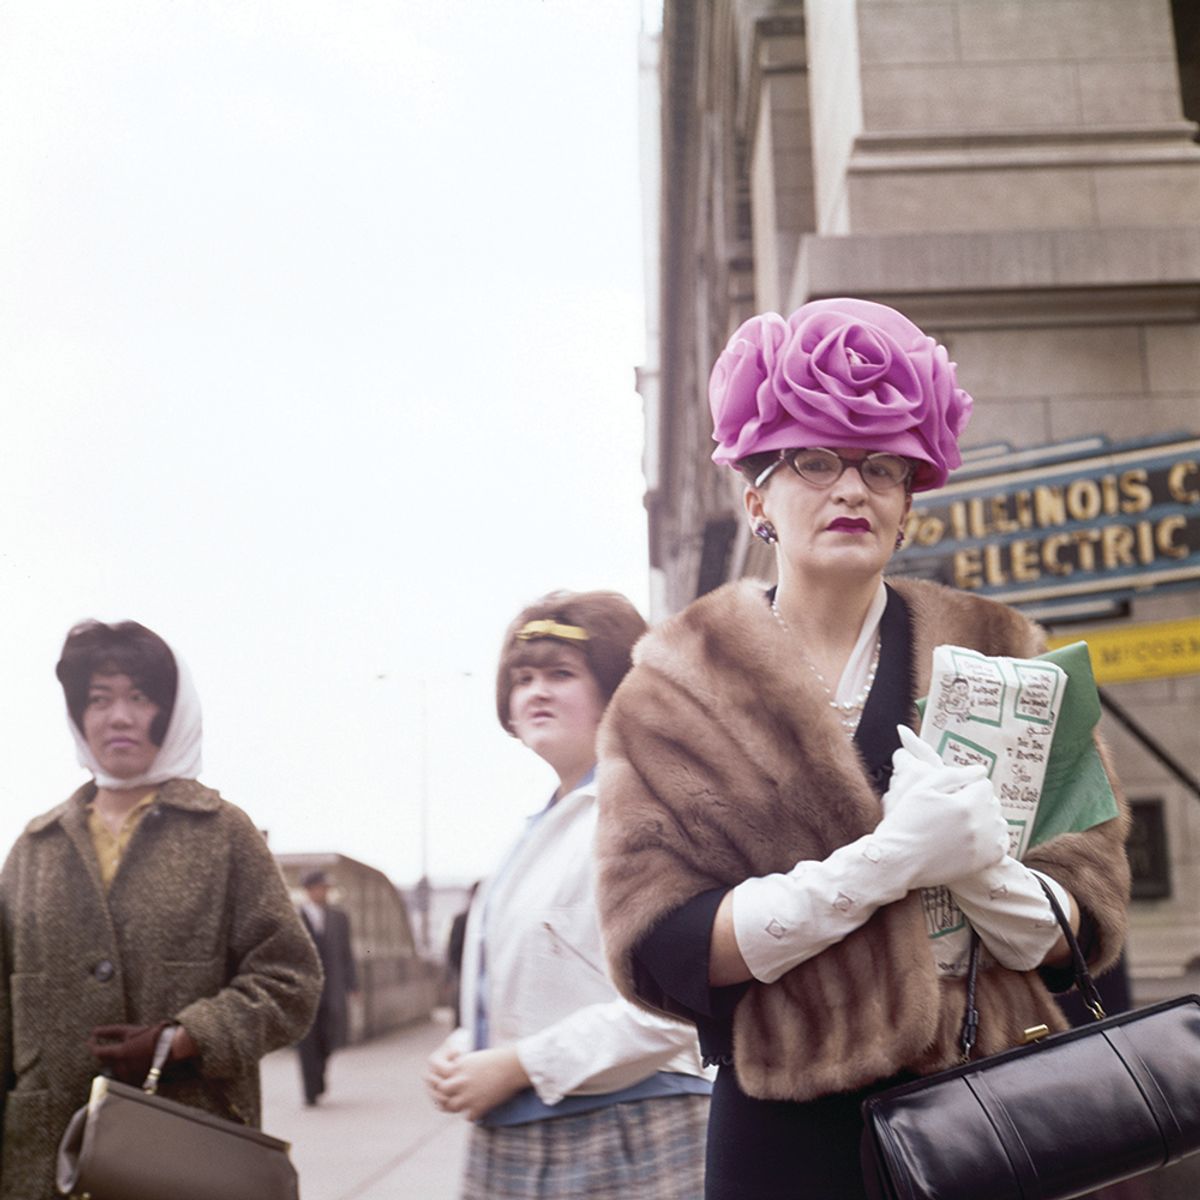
(771, 1149)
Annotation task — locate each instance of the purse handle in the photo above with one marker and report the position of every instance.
(162, 1050)
(1083, 977)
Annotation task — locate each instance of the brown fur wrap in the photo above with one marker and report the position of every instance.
(720, 759)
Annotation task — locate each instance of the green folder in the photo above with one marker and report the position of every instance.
(1076, 793)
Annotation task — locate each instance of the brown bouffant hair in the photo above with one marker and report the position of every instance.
(127, 648)
(613, 626)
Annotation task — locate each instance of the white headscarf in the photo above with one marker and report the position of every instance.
(179, 755)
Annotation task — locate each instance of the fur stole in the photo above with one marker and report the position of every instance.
(720, 759)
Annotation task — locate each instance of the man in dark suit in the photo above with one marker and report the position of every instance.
(330, 930)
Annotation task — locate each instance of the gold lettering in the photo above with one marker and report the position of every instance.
(1163, 535)
(1024, 510)
(1145, 542)
(993, 570)
(1089, 500)
(1048, 505)
(1086, 540)
(976, 519)
(958, 520)
(1136, 491)
(1180, 490)
(1024, 558)
(930, 531)
(1050, 555)
(1117, 546)
(1083, 499)
(1001, 521)
(967, 569)
(1112, 498)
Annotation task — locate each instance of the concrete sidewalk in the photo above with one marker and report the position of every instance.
(375, 1136)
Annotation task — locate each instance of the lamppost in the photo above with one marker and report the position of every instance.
(423, 884)
(423, 891)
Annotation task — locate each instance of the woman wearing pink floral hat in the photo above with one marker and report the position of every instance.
(767, 818)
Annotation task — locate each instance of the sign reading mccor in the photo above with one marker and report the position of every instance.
(1037, 525)
(1148, 650)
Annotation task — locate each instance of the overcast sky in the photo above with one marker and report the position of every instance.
(318, 324)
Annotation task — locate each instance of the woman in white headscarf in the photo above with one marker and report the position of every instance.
(144, 901)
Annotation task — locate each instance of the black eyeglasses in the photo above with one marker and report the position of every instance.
(823, 468)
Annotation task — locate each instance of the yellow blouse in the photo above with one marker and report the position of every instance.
(109, 846)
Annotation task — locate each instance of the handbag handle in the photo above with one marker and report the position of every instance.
(1083, 977)
(970, 1026)
(162, 1049)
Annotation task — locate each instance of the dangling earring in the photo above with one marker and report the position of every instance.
(765, 530)
(899, 538)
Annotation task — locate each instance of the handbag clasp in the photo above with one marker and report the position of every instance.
(1034, 1033)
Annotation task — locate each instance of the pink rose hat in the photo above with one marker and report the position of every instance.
(838, 373)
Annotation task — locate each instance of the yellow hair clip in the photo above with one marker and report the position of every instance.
(552, 629)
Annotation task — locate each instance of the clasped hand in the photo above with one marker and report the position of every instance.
(966, 844)
(473, 1082)
(941, 822)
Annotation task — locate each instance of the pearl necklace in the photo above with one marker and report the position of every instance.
(849, 712)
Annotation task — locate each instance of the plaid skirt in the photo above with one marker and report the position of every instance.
(641, 1150)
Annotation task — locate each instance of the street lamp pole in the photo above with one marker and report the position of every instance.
(423, 888)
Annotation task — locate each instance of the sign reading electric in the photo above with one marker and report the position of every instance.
(1086, 520)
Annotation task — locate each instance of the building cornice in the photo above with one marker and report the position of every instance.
(1018, 278)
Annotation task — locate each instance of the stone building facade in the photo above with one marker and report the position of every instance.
(1022, 178)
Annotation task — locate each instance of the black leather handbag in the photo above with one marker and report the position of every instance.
(1051, 1120)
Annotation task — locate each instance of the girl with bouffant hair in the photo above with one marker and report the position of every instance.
(574, 1091)
(613, 625)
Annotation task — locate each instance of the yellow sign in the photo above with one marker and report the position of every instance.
(1124, 653)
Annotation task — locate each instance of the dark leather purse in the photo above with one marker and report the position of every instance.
(128, 1143)
(1048, 1121)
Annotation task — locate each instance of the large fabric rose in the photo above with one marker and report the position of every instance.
(741, 392)
(845, 373)
(949, 410)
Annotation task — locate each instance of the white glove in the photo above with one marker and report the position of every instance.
(1004, 902)
(940, 822)
(1009, 910)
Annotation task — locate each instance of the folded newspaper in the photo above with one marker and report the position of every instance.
(1030, 722)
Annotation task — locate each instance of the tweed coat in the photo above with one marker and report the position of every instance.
(196, 926)
(721, 760)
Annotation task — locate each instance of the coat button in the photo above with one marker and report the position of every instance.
(104, 970)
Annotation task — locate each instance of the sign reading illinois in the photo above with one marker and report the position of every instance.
(1057, 522)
